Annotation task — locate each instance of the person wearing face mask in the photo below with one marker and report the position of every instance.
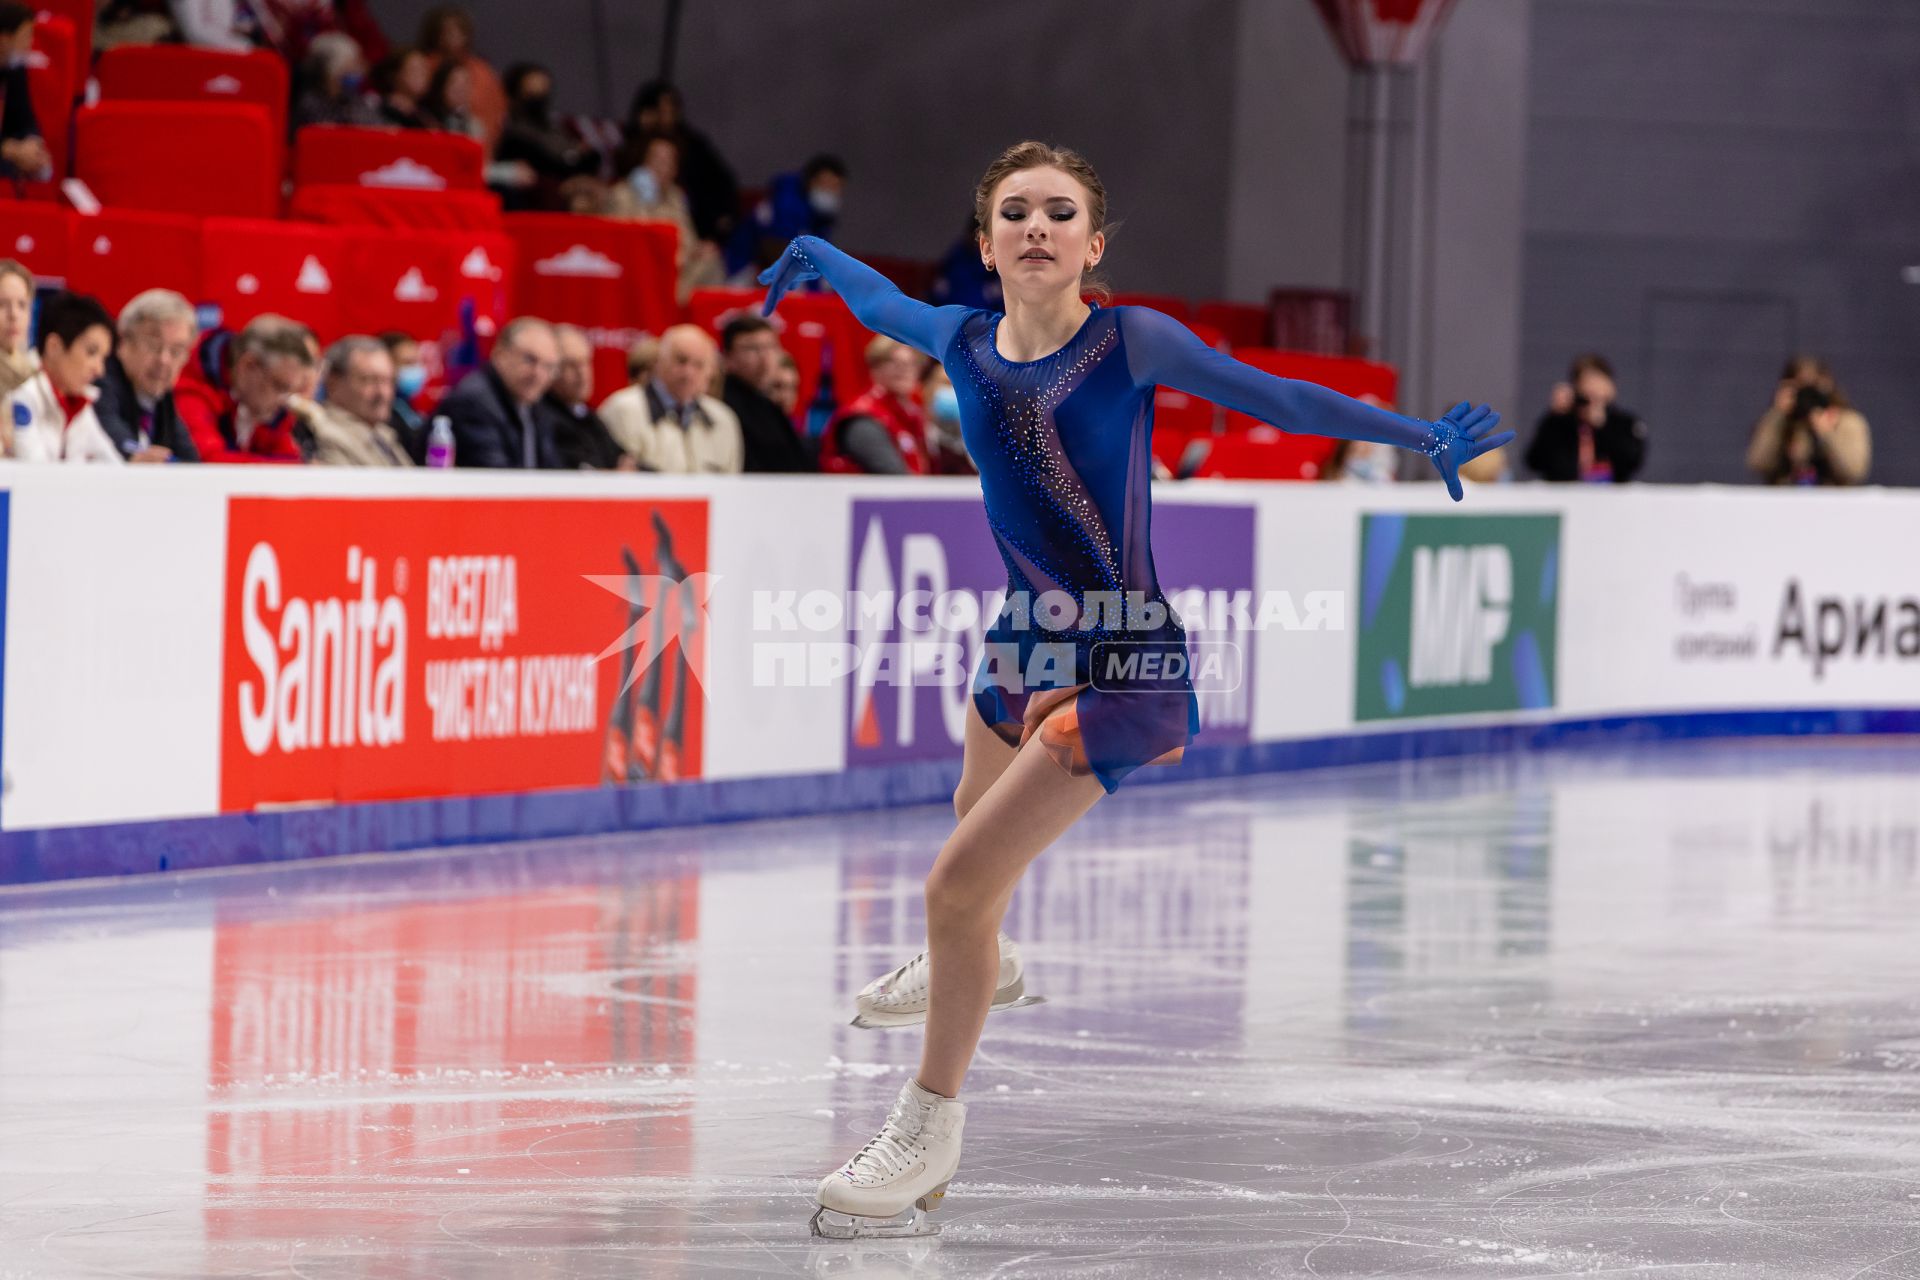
(713, 194)
(136, 405)
(534, 138)
(750, 352)
(806, 203)
(409, 380)
(945, 445)
(23, 153)
(50, 417)
(235, 392)
(18, 360)
(328, 82)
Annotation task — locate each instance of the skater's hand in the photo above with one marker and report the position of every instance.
(1463, 435)
(793, 268)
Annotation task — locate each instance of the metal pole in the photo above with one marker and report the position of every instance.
(670, 40)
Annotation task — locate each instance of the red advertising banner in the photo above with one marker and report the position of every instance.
(384, 649)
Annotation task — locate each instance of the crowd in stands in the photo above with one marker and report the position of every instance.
(147, 386)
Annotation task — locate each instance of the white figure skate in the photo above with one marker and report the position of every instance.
(899, 999)
(893, 1182)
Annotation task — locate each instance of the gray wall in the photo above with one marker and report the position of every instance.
(1712, 185)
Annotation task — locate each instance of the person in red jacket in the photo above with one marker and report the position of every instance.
(233, 395)
(883, 432)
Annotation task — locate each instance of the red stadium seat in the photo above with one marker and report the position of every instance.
(614, 279)
(344, 205)
(711, 308)
(1344, 374)
(420, 282)
(408, 159)
(1267, 453)
(1167, 304)
(51, 83)
(38, 235)
(1244, 324)
(78, 15)
(121, 252)
(294, 269)
(181, 157)
(183, 73)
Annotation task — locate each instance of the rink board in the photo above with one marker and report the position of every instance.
(416, 659)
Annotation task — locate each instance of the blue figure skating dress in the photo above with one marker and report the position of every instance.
(1062, 445)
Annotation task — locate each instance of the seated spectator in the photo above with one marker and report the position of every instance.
(641, 357)
(234, 393)
(652, 193)
(945, 445)
(493, 410)
(49, 417)
(400, 85)
(136, 407)
(713, 196)
(882, 432)
(750, 350)
(962, 279)
(581, 439)
(446, 36)
(1584, 435)
(350, 429)
(671, 423)
(327, 84)
(532, 137)
(409, 380)
(23, 152)
(783, 388)
(806, 203)
(18, 360)
(449, 102)
(1810, 435)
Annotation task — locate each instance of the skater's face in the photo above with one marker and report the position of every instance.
(1041, 240)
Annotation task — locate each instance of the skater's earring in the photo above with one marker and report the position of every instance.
(989, 264)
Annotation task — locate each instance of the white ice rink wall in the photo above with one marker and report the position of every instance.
(224, 664)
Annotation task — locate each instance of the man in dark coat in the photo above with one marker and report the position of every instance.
(136, 406)
(1585, 435)
(750, 349)
(582, 440)
(495, 411)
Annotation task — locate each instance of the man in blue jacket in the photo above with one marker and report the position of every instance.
(495, 410)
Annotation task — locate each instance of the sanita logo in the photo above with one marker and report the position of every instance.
(1462, 603)
(327, 672)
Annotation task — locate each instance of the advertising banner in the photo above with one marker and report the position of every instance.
(1204, 555)
(391, 649)
(1457, 614)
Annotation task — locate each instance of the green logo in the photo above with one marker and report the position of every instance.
(1457, 614)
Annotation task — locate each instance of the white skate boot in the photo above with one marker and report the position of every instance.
(899, 999)
(893, 1182)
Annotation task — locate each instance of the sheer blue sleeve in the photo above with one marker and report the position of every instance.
(874, 300)
(1162, 351)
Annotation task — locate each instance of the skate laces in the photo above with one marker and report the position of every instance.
(895, 1148)
(907, 983)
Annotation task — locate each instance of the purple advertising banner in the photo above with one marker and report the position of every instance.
(900, 707)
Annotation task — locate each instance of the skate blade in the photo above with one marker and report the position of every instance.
(881, 1021)
(831, 1224)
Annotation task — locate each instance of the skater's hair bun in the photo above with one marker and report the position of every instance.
(1040, 155)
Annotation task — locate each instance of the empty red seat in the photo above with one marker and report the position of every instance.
(344, 205)
(184, 73)
(421, 282)
(1244, 324)
(215, 158)
(294, 269)
(78, 15)
(614, 279)
(37, 234)
(407, 159)
(711, 308)
(1266, 453)
(121, 252)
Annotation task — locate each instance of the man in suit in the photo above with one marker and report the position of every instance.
(751, 351)
(495, 411)
(582, 439)
(157, 332)
(672, 422)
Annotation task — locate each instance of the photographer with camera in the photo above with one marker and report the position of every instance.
(1584, 435)
(1811, 435)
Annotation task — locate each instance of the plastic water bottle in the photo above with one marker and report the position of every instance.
(440, 442)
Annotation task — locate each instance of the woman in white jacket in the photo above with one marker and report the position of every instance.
(49, 417)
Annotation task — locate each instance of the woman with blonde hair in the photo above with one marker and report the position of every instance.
(18, 360)
(1056, 406)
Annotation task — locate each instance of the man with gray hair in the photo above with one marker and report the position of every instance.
(136, 407)
(674, 422)
(495, 410)
(351, 429)
(233, 396)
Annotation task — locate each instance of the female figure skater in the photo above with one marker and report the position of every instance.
(1056, 407)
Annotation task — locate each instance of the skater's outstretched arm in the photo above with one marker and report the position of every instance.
(1161, 350)
(874, 300)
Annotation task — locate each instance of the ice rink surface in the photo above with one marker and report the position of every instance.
(1578, 1014)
